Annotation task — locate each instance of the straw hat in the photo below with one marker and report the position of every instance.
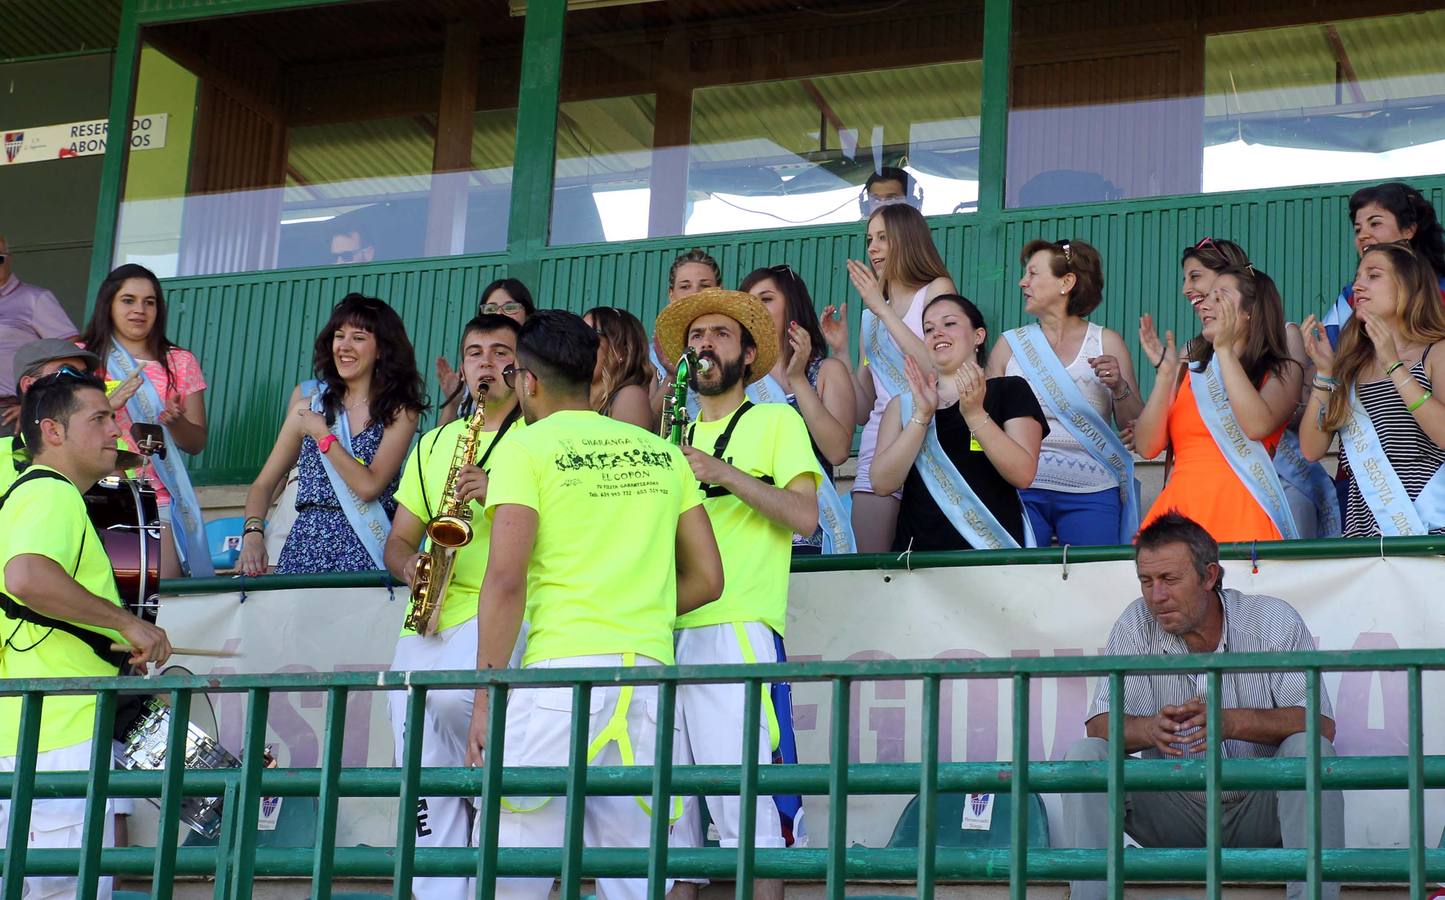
(745, 309)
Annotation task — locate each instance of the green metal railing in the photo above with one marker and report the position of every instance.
(237, 861)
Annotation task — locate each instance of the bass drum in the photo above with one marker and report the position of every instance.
(125, 515)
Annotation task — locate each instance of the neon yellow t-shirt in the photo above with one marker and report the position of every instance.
(603, 576)
(422, 480)
(46, 517)
(770, 441)
(9, 455)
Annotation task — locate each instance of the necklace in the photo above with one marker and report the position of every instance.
(357, 403)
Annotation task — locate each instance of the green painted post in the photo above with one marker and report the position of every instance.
(327, 797)
(1214, 806)
(535, 155)
(661, 791)
(1117, 752)
(225, 847)
(993, 119)
(576, 792)
(22, 793)
(748, 790)
(1313, 841)
(97, 795)
(410, 793)
(243, 863)
(928, 790)
(168, 829)
(1416, 764)
(489, 814)
(112, 167)
(1019, 832)
(838, 790)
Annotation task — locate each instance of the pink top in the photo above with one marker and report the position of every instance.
(27, 313)
(185, 379)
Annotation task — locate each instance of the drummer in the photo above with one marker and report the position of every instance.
(59, 599)
(36, 360)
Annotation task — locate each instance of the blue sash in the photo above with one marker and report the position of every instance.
(953, 494)
(1311, 480)
(1047, 376)
(1381, 488)
(366, 517)
(1248, 458)
(833, 515)
(883, 354)
(188, 529)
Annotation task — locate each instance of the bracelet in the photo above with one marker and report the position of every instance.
(1327, 388)
(1399, 363)
(974, 429)
(1327, 379)
(252, 529)
(1128, 392)
(917, 421)
(254, 520)
(325, 443)
(1421, 402)
(1159, 363)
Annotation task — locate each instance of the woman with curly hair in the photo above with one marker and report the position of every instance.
(351, 427)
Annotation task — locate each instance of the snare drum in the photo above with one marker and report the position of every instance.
(145, 749)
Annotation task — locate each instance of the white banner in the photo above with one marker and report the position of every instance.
(45, 142)
(1022, 611)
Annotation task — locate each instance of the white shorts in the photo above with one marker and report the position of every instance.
(57, 824)
(539, 728)
(441, 821)
(712, 719)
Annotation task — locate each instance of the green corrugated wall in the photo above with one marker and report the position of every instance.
(253, 333)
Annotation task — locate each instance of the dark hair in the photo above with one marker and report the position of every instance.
(559, 350)
(1216, 255)
(970, 309)
(1421, 320)
(99, 334)
(396, 384)
(342, 228)
(1410, 208)
(891, 173)
(1083, 262)
(52, 396)
(695, 255)
(797, 304)
(514, 288)
(625, 335)
(1176, 528)
(1265, 350)
(483, 323)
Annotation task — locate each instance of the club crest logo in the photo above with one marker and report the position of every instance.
(979, 803)
(14, 140)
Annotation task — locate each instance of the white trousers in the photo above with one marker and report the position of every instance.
(441, 821)
(57, 824)
(539, 725)
(712, 722)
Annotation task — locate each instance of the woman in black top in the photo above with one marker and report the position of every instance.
(990, 428)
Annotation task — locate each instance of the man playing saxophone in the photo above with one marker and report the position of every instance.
(437, 483)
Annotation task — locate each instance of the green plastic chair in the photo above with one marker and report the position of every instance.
(951, 833)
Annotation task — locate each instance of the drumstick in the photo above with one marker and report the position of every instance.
(182, 651)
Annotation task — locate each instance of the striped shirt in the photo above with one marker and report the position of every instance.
(1408, 449)
(1253, 623)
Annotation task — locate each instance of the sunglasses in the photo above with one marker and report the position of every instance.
(3, 257)
(785, 269)
(351, 256)
(66, 372)
(492, 309)
(1068, 249)
(509, 375)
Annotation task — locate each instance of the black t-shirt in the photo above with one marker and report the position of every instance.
(920, 520)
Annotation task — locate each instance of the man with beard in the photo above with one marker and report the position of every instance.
(489, 345)
(759, 478)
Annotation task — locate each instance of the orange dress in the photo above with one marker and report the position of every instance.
(1202, 485)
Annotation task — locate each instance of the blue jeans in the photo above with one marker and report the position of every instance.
(1078, 519)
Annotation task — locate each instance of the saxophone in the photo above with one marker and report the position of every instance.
(674, 406)
(449, 530)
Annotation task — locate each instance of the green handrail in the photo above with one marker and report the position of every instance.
(237, 860)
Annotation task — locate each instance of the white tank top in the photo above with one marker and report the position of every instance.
(1064, 465)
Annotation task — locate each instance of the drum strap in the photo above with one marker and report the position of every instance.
(98, 643)
(716, 490)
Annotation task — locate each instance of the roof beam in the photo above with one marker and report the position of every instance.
(1347, 68)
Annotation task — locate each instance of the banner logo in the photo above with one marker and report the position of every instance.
(14, 140)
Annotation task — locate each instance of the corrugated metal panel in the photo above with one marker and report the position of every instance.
(254, 334)
(40, 27)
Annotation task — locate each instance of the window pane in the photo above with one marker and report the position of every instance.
(327, 135)
(1186, 102)
(763, 113)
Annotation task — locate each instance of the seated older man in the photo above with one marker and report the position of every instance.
(1185, 608)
